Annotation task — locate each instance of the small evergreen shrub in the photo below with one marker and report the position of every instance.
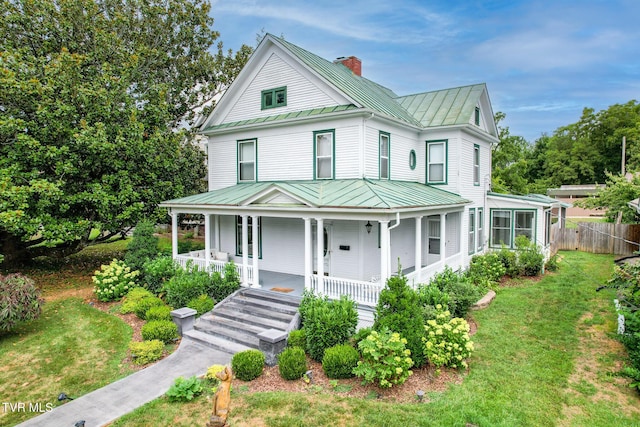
(509, 260)
(226, 285)
(530, 256)
(132, 298)
(143, 246)
(113, 281)
(462, 293)
(163, 330)
(184, 390)
(157, 272)
(19, 300)
(327, 323)
(248, 365)
(146, 351)
(399, 310)
(447, 341)
(186, 285)
(292, 363)
(158, 312)
(385, 359)
(552, 263)
(201, 304)
(145, 304)
(429, 296)
(297, 338)
(339, 361)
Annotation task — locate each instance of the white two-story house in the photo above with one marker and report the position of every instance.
(316, 171)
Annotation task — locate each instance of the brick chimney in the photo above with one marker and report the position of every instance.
(352, 63)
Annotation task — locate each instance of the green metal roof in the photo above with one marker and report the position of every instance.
(343, 193)
(536, 198)
(443, 107)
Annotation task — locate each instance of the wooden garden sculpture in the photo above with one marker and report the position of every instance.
(221, 399)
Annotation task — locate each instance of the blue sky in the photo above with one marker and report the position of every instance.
(543, 61)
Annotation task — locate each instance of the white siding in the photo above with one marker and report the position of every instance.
(344, 263)
(347, 153)
(403, 244)
(302, 93)
(222, 163)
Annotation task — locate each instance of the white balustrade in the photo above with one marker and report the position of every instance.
(197, 259)
(366, 293)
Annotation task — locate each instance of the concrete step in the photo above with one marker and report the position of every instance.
(251, 319)
(278, 297)
(266, 304)
(212, 319)
(243, 337)
(254, 310)
(214, 342)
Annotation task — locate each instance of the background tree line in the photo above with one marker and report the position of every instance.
(586, 152)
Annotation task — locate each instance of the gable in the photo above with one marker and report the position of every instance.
(275, 196)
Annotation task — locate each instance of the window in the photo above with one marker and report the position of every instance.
(412, 159)
(547, 227)
(476, 164)
(472, 230)
(433, 233)
(507, 224)
(476, 116)
(436, 162)
(323, 148)
(247, 160)
(250, 234)
(272, 98)
(384, 155)
(480, 229)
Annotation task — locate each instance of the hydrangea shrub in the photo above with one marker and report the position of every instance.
(385, 359)
(113, 281)
(447, 341)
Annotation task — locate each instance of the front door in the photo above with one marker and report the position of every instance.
(327, 249)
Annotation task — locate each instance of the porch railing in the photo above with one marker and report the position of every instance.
(427, 272)
(365, 293)
(214, 266)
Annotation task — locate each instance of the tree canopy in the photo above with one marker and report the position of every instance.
(96, 101)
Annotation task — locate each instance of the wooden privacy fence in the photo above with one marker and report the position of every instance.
(597, 238)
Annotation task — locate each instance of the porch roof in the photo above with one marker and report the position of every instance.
(341, 193)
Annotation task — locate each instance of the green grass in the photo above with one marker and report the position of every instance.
(529, 344)
(72, 348)
(573, 222)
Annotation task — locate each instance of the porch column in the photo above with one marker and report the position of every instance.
(384, 251)
(216, 232)
(308, 254)
(320, 253)
(443, 237)
(255, 243)
(174, 235)
(245, 251)
(207, 240)
(418, 259)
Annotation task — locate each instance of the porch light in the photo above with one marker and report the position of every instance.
(368, 226)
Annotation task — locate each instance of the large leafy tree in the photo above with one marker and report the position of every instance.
(94, 99)
(509, 161)
(614, 198)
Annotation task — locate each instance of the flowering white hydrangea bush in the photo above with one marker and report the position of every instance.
(384, 359)
(447, 341)
(113, 281)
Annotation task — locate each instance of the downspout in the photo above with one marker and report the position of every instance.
(389, 231)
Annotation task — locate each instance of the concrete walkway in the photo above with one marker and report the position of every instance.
(123, 396)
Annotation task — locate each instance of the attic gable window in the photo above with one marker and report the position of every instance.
(476, 116)
(273, 98)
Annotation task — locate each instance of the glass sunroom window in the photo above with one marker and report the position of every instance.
(501, 228)
(524, 224)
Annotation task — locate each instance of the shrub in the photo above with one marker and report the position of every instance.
(462, 293)
(158, 312)
(184, 390)
(212, 371)
(398, 310)
(530, 257)
(447, 341)
(144, 305)
(143, 245)
(188, 245)
(19, 300)
(163, 330)
(132, 298)
(509, 261)
(328, 323)
(339, 361)
(292, 363)
(552, 263)
(146, 351)
(384, 359)
(225, 286)
(486, 269)
(429, 296)
(297, 338)
(201, 304)
(157, 272)
(113, 281)
(362, 333)
(247, 365)
(186, 285)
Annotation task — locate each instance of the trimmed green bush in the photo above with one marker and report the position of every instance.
(163, 330)
(143, 245)
(339, 361)
(158, 312)
(297, 338)
(429, 296)
(292, 363)
(225, 286)
(145, 304)
(509, 260)
(146, 351)
(157, 272)
(462, 292)
(201, 304)
(184, 390)
(530, 256)
(19, 300)
(248, 365)
(327, 322)
(186, 285)
(132, 298)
